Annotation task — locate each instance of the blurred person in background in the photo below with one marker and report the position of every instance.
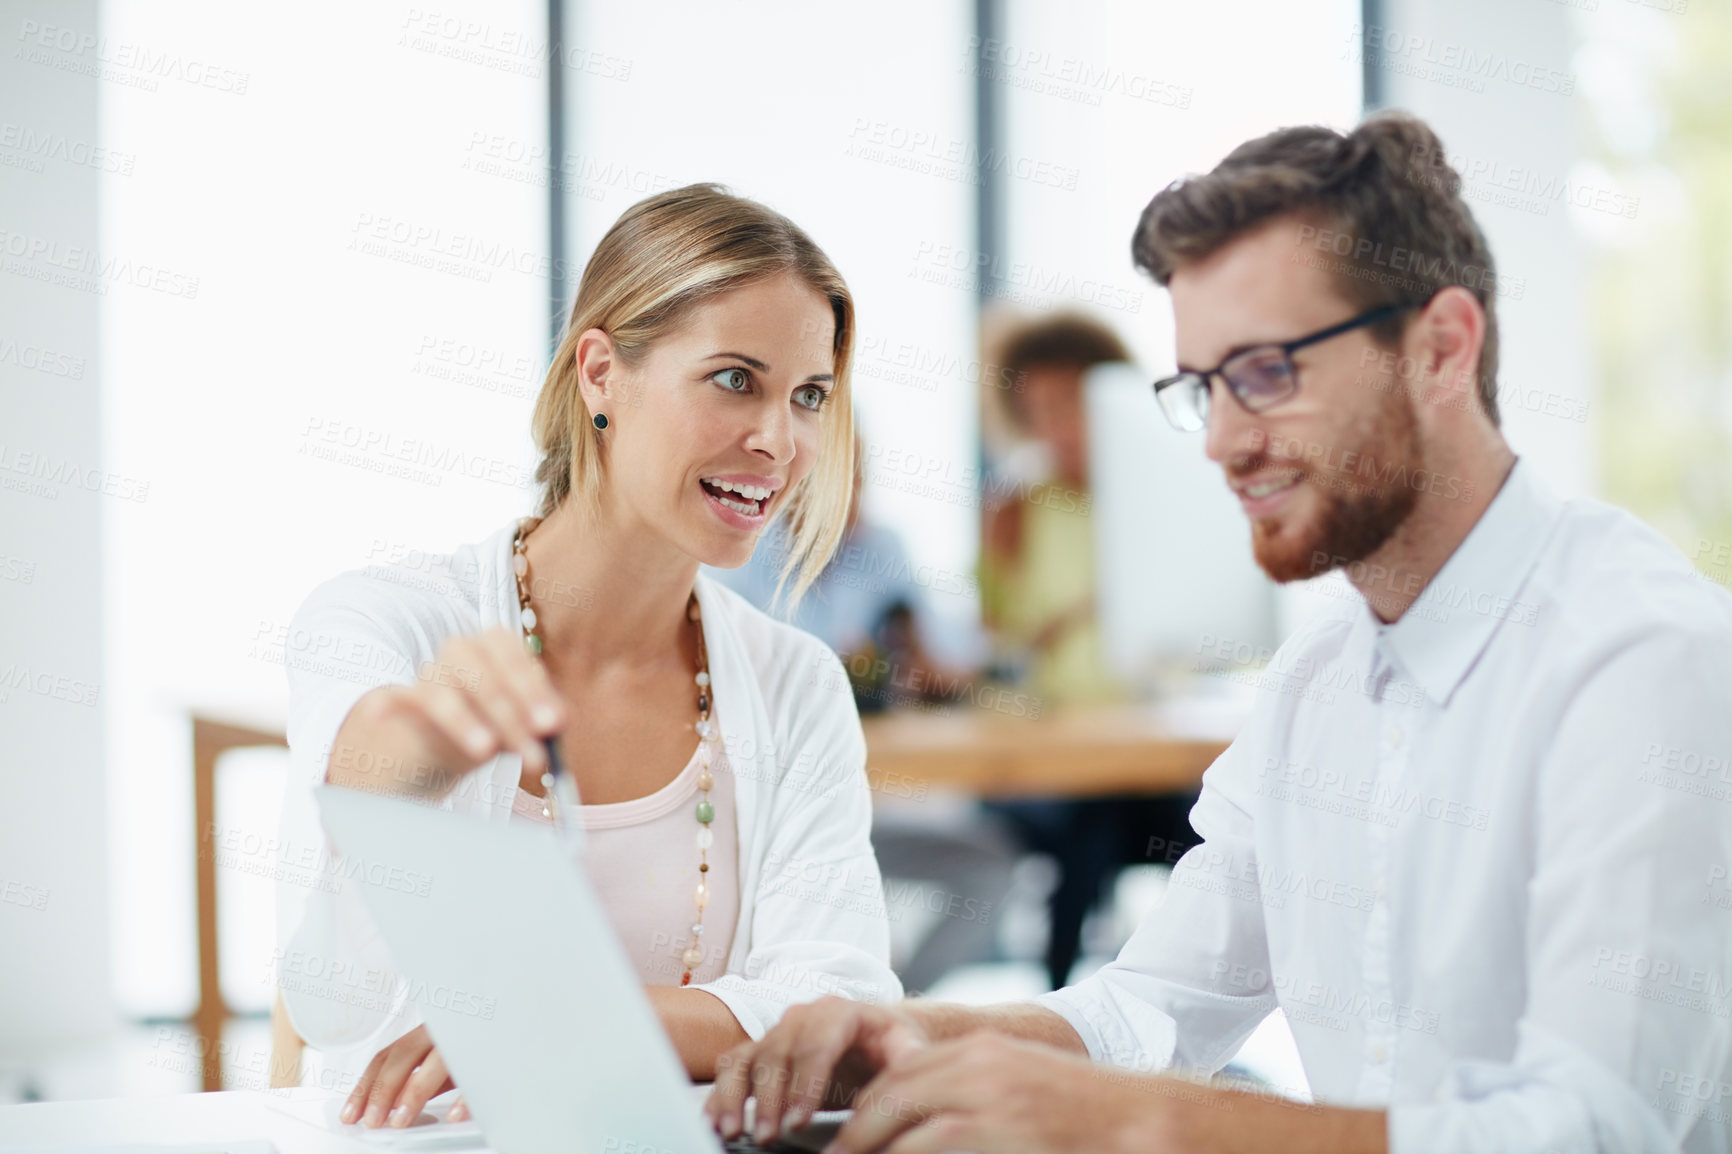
(1037, 593)
(1037, 556)
(868, 604)
(871, 605)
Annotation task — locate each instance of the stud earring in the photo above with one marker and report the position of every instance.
(600, 420)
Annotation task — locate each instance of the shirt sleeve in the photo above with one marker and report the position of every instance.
(1624, 1045)
(819, 923)
(338, 984)
(1192, 983)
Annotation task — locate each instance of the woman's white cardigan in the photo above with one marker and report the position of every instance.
(812, 919)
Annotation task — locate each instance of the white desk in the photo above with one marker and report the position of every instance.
(179, 1120)
(217, 1119)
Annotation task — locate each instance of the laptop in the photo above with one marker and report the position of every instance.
(523, 985)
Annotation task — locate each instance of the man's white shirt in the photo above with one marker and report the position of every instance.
(1479, 857)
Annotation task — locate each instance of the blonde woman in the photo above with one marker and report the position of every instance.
(700, 393)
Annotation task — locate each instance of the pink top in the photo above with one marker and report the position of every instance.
(642, 857)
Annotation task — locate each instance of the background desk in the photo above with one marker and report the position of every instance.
(1083, 752)
(1075, 753)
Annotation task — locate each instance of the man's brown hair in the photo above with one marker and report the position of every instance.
(1380, 207)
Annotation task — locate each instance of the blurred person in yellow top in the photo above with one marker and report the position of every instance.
(1037, 562)
(1037, 595)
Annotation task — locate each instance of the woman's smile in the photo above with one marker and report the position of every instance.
(741, 500)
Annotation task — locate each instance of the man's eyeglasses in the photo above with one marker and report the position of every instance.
(1258, 377)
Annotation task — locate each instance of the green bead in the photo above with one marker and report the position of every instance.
(706, 812)
(534, 644)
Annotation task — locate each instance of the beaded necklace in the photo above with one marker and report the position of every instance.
(707, 737)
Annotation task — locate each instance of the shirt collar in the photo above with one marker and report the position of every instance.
(1443, 633)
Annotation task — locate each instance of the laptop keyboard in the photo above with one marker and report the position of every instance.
(747, 1146)
(809, 1140)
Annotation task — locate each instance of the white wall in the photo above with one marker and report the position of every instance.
(367, 326)
(54, 978)
(1127, 98)
(858, 123)
(1497, 81)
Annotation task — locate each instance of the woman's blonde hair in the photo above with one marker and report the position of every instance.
(660, 260)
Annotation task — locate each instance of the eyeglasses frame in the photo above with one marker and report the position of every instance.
(1286, 349)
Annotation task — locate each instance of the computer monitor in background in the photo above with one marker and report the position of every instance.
(1178, 590)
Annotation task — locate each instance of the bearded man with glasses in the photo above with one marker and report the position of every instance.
(1475, 848)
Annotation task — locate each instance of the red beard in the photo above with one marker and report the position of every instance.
(1362, 508)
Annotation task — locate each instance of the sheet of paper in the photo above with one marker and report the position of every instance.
(429, 1132)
